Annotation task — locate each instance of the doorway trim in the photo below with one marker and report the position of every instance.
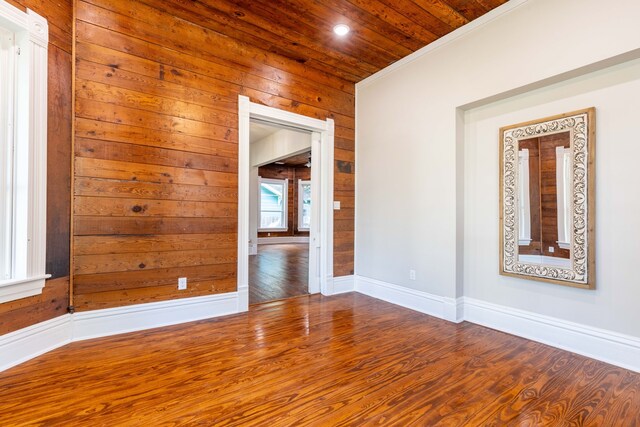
(246, 111)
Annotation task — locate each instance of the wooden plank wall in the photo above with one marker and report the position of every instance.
(293, 174)
(53, 301)
(155, 195)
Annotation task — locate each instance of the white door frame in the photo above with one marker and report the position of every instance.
(324, 238)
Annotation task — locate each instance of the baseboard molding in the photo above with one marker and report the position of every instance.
(112, 321)
(433, 305)
(610, 347)
(19, 346)
(606, 346)
(25, 344)
(343, 284)
(280, 240)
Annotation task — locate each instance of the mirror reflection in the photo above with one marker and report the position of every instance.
(544, 200)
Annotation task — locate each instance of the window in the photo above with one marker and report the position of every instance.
(273, 204)
(23, 152)
(564, 179)
(7, 79)
(304, 205)
(524, 202)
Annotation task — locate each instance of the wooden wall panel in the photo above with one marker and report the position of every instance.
(155, 194)
(293, 174)
(54, 299)
(52, 302)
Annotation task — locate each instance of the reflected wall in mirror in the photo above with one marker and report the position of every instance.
(547, 199)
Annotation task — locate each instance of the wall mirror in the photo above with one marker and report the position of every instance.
(547, 201)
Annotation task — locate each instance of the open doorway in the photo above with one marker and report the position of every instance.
(279, 211)
(320, 276)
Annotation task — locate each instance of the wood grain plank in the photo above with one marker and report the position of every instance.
(121, 298)
(95, 187)
(96, 245)
(155, 156)
(154, 61)
(286, 19)
(362, 18)
(24, 312)
(153, 82)
(113, 169)
(425, 35)
(118, 132)
(138, 20)
(470, 9)
(135, 261)
(153, 103)
(58, 162)
(97, 225)
(241, 23)
(322, 16)
(119, 207)
(119, 281)
(113, 113)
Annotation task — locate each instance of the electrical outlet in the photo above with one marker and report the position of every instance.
(182, 283)
(412, 274)
(551, 249)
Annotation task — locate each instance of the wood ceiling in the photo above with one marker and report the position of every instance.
(297, 160)
(382, 31)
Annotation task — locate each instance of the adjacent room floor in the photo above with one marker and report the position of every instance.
(278, 272)
(322, 361)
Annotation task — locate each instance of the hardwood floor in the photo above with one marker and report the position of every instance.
(278, 272)
(321, 361)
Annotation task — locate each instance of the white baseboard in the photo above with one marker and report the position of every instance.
(343, 284)
(607, 346)
(433, 305)
(25, 344)
(610, 347)
(279, 240)
(112, 321)
(19, 346)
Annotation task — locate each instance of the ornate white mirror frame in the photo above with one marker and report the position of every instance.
(581, 128)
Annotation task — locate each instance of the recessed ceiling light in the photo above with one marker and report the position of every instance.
(341, 29)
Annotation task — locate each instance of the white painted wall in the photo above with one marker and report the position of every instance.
(410, 124)
(615, 92)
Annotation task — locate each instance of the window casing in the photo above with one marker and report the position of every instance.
(564, 178)
(272, 204)
(524, 203)
(7, 97)
(23, 152)
(304, 205)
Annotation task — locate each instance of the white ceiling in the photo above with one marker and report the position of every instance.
(260, 131)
